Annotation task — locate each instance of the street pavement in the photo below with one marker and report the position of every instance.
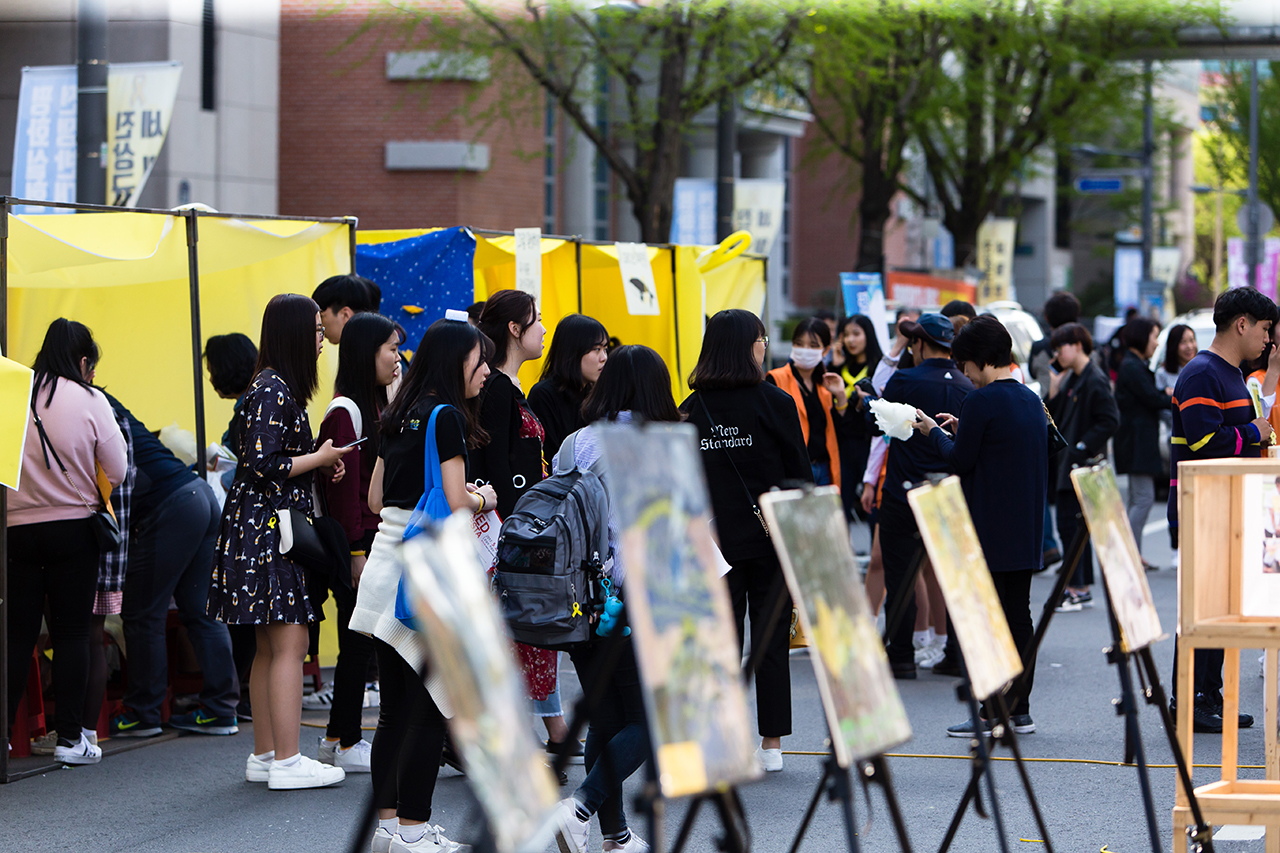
(188, 795)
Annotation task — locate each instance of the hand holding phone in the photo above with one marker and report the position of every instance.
(356, 443)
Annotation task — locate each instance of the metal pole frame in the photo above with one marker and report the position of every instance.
(353, 224)
(1251, 254)
(193, 279)
(1148, 178)
(4, 502)
(675, 316)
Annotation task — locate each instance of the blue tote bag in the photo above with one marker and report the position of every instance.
(432, 506)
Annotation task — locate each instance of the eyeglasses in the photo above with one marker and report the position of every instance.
(764, 340)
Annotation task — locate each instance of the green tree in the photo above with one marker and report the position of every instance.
(654, 68)
(865, 71)
(1021, 76)
(1227, 145)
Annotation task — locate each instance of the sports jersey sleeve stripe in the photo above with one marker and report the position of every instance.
(1207, 401)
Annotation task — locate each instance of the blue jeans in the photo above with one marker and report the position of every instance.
(617, 739)
(171, 556)
(821, 473)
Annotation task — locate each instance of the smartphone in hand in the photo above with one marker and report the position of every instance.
(356, 443)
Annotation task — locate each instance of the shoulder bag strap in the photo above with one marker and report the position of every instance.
(432, 477)
(47, 446)
(751, 499)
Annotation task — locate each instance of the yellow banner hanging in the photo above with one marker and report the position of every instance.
(15, 392)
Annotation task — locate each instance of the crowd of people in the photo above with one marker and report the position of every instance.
(110, 521)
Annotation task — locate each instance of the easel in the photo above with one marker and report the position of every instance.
(837, 785)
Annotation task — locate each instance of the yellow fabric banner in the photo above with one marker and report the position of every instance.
(15, 392)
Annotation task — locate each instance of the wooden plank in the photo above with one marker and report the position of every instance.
(1185, 666)
(1235, 564)
(1209, 569)
(1230, 711)
(1269, 714)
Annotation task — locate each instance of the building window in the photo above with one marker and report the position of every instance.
(207, 50)
(549, 171)
(601, 211)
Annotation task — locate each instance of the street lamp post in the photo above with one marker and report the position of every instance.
(1219, 191)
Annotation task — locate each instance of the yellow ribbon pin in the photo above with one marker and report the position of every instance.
(577, 611)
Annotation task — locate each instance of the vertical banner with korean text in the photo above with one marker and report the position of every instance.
(995, 259)
(44, 145)
(140, 98)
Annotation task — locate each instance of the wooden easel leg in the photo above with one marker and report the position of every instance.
(1180, 830)
(1230, 714)
(1186, 696)
(1269, 714)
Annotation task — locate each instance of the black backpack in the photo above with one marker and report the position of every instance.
(551, 550)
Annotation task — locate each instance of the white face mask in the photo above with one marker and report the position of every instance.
(806, 358)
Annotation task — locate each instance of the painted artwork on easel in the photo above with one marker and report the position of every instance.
(1118, 556)
(1260, 546)
(864, 710)
(470, 652)
(947, 530)
(679, 610)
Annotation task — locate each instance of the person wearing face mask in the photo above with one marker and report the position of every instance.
(821, 398)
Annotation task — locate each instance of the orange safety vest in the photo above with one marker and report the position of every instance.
(787, 382)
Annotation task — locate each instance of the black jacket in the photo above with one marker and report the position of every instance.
(756, 428)
(1085, 413)
(1137, 443)
(560, 411)
(512, 460)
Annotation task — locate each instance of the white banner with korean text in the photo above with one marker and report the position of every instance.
(140, 98)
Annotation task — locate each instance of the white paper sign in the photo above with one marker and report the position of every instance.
(140, 98)
(637, 279)
(529, 261)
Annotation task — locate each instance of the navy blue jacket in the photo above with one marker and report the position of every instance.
(160, 473)
(933, 386)
(1001, 452)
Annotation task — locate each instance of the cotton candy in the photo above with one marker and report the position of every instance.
(894, 419)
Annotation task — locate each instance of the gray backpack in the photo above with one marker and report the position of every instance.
(551, 550)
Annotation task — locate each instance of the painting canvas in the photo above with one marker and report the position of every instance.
(679, 609)
(1260, 546)
(470, 651)
(864, 710)
(947, 530)
(1118, 555)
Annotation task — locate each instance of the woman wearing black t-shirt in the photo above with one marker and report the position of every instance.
(751, 441)
(578, 351)
(448, 369)
(512, 461)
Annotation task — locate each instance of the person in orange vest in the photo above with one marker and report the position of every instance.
(821, 399)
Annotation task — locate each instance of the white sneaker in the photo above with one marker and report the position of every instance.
(372, 696)
(353, 759)
(770, 759)
(573, 832)
(326, 750)
(307, 773)
(381, 841)
(44, 745)
(91, 736)
(256, 769)
(635, 845)
(432, 841)
(82, 752)
(318, 701)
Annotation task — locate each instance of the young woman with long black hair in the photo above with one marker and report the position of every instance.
(730, 393)
(253, 583)
(854, 356)
(634, 384)
(368, 362)
(579, 349)
(53, 553)
(447, 372)
(513, 462)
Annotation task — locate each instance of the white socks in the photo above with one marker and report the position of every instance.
(411, 833)
(389, 824)
(288, 762)
(266, 756)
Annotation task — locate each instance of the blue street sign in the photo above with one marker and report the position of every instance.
(1099, 186)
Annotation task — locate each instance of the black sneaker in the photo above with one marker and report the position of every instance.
(1085, 598)
(576, 754)
(904, 671)
(967, 728)
(1022, 724)
(1214, 703)
(948, 666)
(1203, 718)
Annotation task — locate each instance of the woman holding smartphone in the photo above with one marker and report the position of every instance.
(368, 362)
(446, 374)
(253, 583)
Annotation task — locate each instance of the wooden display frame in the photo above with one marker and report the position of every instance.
(1210, 583)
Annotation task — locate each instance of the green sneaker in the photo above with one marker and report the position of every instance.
(204, 723)
(127, 723)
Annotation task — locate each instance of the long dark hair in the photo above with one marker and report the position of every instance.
(872, 354)
(574, 337)
(635, 379)
(501, 309)
(436, 370)
(727, 359)
(1172, 343)
(65, 343)
(362, 338)
(288, 344)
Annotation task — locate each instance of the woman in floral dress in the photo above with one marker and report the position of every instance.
(253, 584)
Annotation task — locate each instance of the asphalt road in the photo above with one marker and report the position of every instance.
(188, 794)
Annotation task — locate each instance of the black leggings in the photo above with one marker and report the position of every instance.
(57, 560)
(355, 653)
(751, 582)
(405, 769)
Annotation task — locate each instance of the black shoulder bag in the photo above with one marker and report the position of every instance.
(103, 524)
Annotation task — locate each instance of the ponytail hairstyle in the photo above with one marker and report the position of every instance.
(288, 344)
(437, 370)
(362, 338)
(502, 309)
(65, 343)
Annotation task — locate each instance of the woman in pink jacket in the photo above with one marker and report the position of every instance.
(53, 553)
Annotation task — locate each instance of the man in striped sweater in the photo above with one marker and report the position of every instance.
(1215, 417)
